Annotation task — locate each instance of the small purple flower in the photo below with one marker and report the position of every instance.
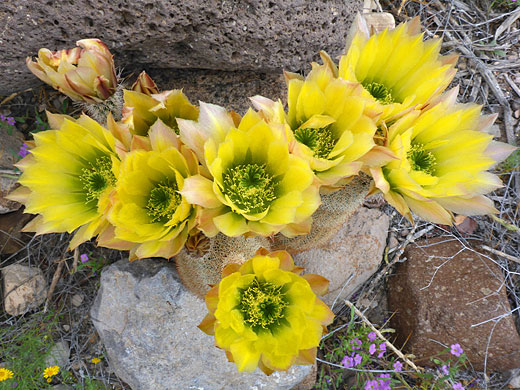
(456, 350)
(358, 359)
(84, 258)
(445, 369)
(382, 348)
(372, 349)
(458, 386)
(398, 366)
(23, 150)
(2, 117)
(372, 385)
(356, 343)
(10, 120)
(372, 336)
(384, 382)
(327, 380)
(347, 362)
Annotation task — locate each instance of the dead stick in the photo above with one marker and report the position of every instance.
(75, 262)
(501, 254)
(54, 282)
(380, 335)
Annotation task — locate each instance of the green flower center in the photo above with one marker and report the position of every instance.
(320, 141)
(97, 178)
(163, 201)
(421, 159)
(250, 187)
(262, 305)
(379, 92)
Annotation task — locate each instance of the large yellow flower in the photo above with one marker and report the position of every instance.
(263, 314)
(396, 67)
(329, 126)
(444, 153)
(67, 178)
(253, 184)
(149, 215)
(85, 73)
(141, 110)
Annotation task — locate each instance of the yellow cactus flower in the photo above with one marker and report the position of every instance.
(145, 84)
(149, 216)
(85, 73)
(5, 374)
(443, 153)
(256, 186)
(329, 126)
(67, 178)
(397, 69)
(141, 110)
(263, 314)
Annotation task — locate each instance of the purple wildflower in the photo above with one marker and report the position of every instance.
(356, 343)
(445, 369)
(372, 385)
(384, 382)
(458, 386)
(382, 348)
(372, 336)
(398, 366)
(357, 359)
(10, 120)
(347, 362)
(372, 349)
(456, 350)
(2, 117)
(23, 150)
(84, 258)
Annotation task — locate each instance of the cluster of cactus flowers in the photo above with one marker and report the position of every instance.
(147, 176)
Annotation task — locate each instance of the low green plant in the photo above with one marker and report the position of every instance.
(23, 349)
(357, 349)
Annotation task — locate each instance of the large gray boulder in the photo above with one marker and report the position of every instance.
(148, 322)
(261, 35)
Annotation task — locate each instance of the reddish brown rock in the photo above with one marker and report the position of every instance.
(440, 292)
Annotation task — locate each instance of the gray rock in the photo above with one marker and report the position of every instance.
(25, 288)
(148, 323)
(356, 249)
(227, 35)
(58, 355)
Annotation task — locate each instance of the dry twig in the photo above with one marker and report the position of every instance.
(380, 335)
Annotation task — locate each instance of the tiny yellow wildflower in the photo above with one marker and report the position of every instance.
(96, 360)
(5, 374)
(49, 372)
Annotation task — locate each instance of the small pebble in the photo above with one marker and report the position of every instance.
(404, 232)
(66, 328)
(392, 241)
(77, 300)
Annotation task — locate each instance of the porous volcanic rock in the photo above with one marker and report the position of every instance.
(10, 143)
(228, 89)
(261, 35)
(440, 292)
(148, 322)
